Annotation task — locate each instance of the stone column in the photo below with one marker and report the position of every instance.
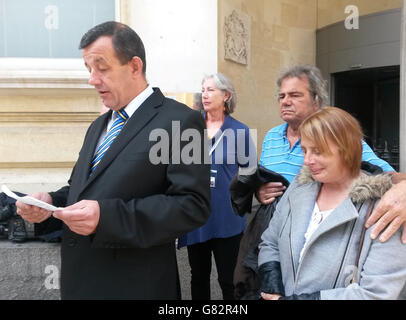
(402, 113)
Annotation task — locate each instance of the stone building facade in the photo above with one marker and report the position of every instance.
(46, 104)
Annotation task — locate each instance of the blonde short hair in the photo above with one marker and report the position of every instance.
(339, 127)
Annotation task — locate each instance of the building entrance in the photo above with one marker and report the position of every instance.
(372, 96)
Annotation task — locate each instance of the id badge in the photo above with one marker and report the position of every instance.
(213, 177)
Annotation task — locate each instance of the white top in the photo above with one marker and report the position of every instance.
(129, 109)
(317, 218)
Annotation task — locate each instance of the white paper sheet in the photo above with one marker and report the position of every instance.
(29, 200)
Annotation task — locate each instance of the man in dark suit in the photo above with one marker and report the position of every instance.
(123, 213)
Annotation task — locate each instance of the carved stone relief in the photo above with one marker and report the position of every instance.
(237, 37)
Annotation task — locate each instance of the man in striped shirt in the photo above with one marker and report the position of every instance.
(302, 91)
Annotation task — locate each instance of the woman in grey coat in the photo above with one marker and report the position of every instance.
(311, 247)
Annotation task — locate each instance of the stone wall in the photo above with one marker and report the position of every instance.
(41, 132)
(31, 271)
(282, 33)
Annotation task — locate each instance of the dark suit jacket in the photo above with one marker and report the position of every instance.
(143, 208)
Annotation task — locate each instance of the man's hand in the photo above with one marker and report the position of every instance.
(270, 296)
(82, 217)
(268, 192)
(34, 214)
(390, 213)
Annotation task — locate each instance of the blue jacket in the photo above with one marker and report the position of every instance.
(234, 150)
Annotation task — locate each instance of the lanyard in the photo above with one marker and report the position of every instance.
(216, 144)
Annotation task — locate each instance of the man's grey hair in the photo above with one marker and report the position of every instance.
(224, 83)
(317, 85)
(197, 101)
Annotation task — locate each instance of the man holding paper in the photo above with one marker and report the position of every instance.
(122, 213)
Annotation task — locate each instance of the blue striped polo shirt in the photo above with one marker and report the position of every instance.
(278, 156)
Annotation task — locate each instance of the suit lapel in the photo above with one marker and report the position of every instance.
(138, 120)
(88, 149)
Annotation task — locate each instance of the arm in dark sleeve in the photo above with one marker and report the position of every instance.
(52, 224)
(270, 278)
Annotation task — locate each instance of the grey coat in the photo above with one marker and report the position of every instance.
(328, 262)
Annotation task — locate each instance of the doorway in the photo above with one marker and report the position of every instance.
(372, 96)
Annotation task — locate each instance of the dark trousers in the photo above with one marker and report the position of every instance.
(225, 252)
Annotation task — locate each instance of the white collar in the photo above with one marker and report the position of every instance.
(138, 101)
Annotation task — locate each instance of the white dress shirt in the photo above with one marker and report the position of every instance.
(129, 109)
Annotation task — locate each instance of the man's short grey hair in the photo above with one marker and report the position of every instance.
(197, 100)
(317, 85)
(224, 83)
(197, 97)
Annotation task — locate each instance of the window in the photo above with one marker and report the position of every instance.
(49, 28)
(39, 41)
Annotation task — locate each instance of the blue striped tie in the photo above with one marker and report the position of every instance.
(114, 131)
